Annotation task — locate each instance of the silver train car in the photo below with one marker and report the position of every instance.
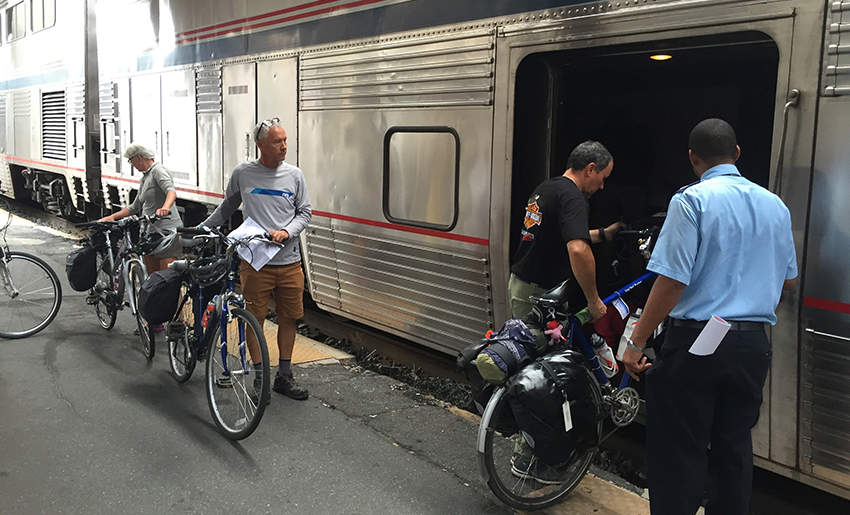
(422, 126)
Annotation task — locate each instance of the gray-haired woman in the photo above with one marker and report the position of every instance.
(157, 195)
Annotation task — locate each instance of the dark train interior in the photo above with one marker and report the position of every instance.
(643, 111)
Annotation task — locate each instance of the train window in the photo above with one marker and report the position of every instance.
(421, 173)
(15, 26)
(42, 14)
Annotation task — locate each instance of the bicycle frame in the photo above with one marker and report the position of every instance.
(576, 334)
(126, 257)
(6, 277)
(221, 316)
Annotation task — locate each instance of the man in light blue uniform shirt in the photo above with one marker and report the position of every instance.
(726, 249)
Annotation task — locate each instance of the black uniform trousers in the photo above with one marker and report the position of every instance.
(693, 401)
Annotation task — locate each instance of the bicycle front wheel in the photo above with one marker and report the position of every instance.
(182, 353)
(237, 392)
(104, 289)
(522, 481)
(30, 295)
(146, 336)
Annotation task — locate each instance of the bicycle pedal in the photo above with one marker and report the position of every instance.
(223, 382)
(92, 301)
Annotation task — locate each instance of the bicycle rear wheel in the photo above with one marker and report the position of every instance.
(104, 288)
(182, 355)
(30, 295)
(146, 335)
(237, 396)
(512, 481)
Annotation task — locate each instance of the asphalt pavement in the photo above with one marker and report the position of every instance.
(88, 426)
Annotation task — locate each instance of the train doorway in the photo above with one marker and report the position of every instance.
(642, 109)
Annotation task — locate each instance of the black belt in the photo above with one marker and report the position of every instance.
(699, 324)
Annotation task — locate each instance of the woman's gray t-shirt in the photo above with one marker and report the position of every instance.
(153, 188)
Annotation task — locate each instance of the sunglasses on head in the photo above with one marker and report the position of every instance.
(271, 122)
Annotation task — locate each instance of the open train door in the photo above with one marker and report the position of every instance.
(585, 73)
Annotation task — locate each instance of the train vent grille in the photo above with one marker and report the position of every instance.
(21, 103)
(440, 71)
(208, 94)
(836, 70)
(107, 96)
(53, 141)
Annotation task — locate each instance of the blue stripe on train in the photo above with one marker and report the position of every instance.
(274, 193)
(362, 24)
(60, 75)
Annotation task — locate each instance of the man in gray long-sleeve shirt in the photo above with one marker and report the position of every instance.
(274, 195)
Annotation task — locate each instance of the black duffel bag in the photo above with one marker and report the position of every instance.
(81, 268)
(158, 296)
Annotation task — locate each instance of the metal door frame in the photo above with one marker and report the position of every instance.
(784, 22)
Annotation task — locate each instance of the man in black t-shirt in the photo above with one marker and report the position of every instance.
(555, 245)
(555, 242)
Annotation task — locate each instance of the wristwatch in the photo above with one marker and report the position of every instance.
(631, 346)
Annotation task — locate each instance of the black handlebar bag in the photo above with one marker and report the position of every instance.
(81, 268)
(159, 294)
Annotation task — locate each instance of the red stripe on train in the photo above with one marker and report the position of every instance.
(405, 228)
(178, 188)
(298, 7)
(13, 158)
(827, 305)
(358, 3)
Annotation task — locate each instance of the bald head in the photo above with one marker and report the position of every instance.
(714, 141)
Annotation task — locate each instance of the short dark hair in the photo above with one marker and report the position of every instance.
(713, 140)
(589, 152)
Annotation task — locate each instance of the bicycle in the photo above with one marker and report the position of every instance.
(118, 262)
(215, 330)
(31, 292)
(619, 404)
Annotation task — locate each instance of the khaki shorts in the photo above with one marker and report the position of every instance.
(519, 291)
(285, 282)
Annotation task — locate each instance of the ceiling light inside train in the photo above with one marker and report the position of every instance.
(661, 57)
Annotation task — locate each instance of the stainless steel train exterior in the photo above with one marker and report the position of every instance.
(402, 115)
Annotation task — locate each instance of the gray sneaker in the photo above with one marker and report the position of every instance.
(286, 385)
(529, 467)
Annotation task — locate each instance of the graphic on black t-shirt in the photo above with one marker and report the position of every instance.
(533, 217)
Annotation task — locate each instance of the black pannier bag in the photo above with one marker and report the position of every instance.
(159, 295)
(536, 396)
(481, 390)
(81, 268)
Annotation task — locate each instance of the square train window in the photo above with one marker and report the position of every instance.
(421, 168)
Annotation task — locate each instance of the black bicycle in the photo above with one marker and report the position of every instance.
(119, 246)
(211, 324)
(512, 479)
(30, 291)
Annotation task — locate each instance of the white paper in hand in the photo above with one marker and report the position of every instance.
(257, 252)
(710, 337)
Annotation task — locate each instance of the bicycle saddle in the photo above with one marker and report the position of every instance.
(553, 297)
